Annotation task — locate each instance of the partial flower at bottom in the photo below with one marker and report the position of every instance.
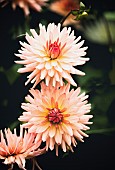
(57, 115)
(52, 55)
(16, 149)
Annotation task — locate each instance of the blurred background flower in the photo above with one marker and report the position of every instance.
(26, 4)
(63, 7)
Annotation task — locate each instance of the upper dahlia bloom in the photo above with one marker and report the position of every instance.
(15, 149)
(57, 115)
(26, 4)
(51, 55)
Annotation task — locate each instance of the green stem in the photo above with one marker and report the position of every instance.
(33, 164)
(101, 130)
(63, 20)
(37, 165)
(11, 167)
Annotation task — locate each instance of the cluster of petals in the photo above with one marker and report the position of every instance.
(26, 4)
(58, 115)
(51, 55)
(16, 149)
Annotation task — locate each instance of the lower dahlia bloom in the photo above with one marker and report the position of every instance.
(51, 55)
(57, 115)
(15, 149)
(26, 4)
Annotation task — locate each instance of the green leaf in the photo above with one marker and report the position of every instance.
(93, 79)
(65, 154)
(12, 73)
(110, 15)
(81, 13)
(101, 131)
(14, 125)
(1, 69)
(82, 6)
(112, 72)
(75, 12)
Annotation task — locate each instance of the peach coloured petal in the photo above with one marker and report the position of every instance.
(52, 131)
(58, 137)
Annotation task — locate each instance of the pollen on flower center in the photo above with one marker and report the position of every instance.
(54, 50)
(55, 116)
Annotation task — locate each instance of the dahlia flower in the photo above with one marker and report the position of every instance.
(57, 115)
(15, 149)
(26, 4)
(51, 55)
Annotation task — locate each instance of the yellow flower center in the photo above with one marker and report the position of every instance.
(54, 50)
(55, 116)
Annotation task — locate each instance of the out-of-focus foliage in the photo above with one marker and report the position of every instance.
(102, 30)
(99, 81)
(11, 74)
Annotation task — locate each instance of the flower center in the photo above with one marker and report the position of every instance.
(55, 116)
(54, 50)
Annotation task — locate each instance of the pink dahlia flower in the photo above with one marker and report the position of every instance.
(15, 149)
(26, 4)
(57, 115)
(51, 55)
